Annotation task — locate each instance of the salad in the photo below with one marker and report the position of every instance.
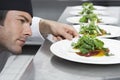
(88, 14)
(92, 29)
(88, 5)
(90, 46)
(89, 17)
(87, 8)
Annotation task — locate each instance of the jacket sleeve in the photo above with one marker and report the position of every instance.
(36, 37)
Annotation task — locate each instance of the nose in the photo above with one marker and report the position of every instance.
(27, 30)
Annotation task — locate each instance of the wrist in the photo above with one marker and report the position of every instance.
(44, 26)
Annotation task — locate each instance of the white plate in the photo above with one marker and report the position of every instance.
(113, 30)
(62, 49)
(105, 20)
(77, 12)
(95, 6)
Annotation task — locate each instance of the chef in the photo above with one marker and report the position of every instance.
(17, 24)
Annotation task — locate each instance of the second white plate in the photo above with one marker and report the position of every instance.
(77, 12)
(95, 6)
(113, 30)
(105, 20)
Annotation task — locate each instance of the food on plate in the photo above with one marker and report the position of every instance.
(88, 14)
(88, 5)
(92, 29)
(87, 8)
(90, 46)
(89, 17)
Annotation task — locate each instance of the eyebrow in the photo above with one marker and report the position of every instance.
(25, 18)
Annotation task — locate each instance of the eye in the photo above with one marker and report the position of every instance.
(22, 21)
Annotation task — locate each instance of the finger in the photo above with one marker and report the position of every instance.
(67, 36)
(74, 32)
(71, 34)
(54, 38)
(57, 38)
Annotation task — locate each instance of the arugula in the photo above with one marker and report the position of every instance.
(92, 29)
(87, 8)
(88, 14)
(89, 17)
(89, 43)
(88, 5)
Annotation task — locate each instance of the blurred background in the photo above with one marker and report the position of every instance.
(52, 9)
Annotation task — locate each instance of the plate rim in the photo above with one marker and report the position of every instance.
(106, 36)
(98, 7)
(76, 12)
(68, 19)
(105, 63)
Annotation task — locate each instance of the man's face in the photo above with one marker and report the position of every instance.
(15, 31)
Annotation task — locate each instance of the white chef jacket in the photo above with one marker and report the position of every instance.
(36, 37)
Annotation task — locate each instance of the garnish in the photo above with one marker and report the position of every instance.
(87, 8)
(90, 46)
(92, 29)
(88, 14)
(89, 17)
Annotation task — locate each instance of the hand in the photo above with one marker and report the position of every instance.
(58, 30)
(63, 31)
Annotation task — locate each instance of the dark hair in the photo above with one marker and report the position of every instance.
(3, 14)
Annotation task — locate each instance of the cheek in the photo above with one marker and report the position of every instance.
(6, 34)
(15, 31)
(15, 27)
(10, 36)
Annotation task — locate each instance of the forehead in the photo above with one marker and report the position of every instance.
(15, 14)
